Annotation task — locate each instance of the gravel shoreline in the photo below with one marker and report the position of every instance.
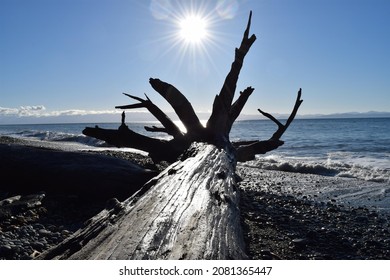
(276, 224)
(279, 225)
(26, 230)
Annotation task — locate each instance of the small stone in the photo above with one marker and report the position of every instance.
(44, 232)
(38, 245)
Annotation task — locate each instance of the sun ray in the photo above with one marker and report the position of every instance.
(192, 42)
(193, 29)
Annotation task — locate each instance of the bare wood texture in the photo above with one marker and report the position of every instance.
(189, 211)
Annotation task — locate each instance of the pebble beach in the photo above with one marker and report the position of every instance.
(279, 219)
(281, 224)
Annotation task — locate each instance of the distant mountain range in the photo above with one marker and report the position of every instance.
(371, 114)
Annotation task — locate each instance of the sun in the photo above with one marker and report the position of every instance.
(193, 29)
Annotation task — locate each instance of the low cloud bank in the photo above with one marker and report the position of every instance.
(39, 114)
(40, 111)
(23, 111)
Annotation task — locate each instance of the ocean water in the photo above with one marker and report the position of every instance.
(354, 148)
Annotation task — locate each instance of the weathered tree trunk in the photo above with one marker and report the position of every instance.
(190, 210)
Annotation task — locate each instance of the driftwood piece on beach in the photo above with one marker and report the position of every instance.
(58, 172)
(190, 210)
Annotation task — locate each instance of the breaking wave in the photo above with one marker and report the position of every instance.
(371, 169)
(51, 136)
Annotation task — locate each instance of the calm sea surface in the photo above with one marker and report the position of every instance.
(357, 148)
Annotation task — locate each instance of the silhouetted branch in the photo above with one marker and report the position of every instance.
(238, 105)
(222, 102)
(180, 104)
(124, 137)
(248, 152)
(282, 128)
(170, 126)
(155, 129)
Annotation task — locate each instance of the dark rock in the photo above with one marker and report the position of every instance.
(38, 245)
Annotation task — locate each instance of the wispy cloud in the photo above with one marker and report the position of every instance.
(77, 112)
(41, 111)
(23, 111)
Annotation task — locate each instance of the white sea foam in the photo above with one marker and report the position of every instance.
(369, 169)
(52, 136)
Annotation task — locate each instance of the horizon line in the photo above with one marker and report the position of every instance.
(147, 118)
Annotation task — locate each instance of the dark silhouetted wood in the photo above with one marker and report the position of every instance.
(282, 128)
(247, 150)
(237, 106)
(219, 121)
(158, 149)
(55, 172)
(169, 126)
(180, 104)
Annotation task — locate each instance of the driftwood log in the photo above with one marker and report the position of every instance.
(62, 173)
(190, 210)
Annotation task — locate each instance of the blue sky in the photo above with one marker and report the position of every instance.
(61, 58)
